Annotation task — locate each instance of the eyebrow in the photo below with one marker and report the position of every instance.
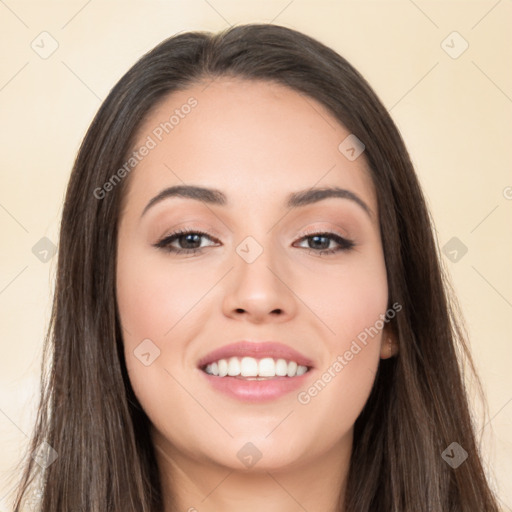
(294, 200)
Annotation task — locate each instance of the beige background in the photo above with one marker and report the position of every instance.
(455, 115)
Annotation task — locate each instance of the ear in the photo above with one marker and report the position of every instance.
(389, 343)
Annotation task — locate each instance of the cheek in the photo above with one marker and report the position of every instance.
(151, 301)
(154, 296)
(347, 299)
(350, 302)
(156, 303)
(361, 299)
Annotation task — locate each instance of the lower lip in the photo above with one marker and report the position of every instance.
(256, 390)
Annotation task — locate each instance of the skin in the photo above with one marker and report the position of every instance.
(256, 142)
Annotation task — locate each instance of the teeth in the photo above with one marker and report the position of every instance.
(248, 367)
(223, 368)
(251, 367)
(292, 368)
(301, 370)
(267, 367)
(233, 367)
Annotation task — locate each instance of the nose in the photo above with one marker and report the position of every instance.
(260, 291)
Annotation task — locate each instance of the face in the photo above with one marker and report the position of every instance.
(310, 276)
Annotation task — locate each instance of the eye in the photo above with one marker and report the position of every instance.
(189, 240)
(320, 243)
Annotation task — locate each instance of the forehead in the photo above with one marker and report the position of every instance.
(255, 140)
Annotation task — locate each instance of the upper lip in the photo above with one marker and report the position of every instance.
(258, 350)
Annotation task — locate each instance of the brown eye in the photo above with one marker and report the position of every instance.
(187, 241)
(320, 243)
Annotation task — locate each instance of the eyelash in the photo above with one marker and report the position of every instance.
(165, 243)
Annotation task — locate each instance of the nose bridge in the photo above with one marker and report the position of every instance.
(258, 279)
(255, 261)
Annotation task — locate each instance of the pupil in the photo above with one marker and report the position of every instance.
(316, 238)
(188, 239)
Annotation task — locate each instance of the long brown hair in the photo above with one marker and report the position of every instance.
(88, 412)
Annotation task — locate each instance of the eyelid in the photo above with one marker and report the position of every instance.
(191, 225)
(318, 230)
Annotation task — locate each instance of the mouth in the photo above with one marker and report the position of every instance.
(255, 372)
(250, 368)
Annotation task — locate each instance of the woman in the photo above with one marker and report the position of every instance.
(249, 308)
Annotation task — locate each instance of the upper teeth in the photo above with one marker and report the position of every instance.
(250, 367)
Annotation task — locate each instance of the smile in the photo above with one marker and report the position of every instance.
(250, 367)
